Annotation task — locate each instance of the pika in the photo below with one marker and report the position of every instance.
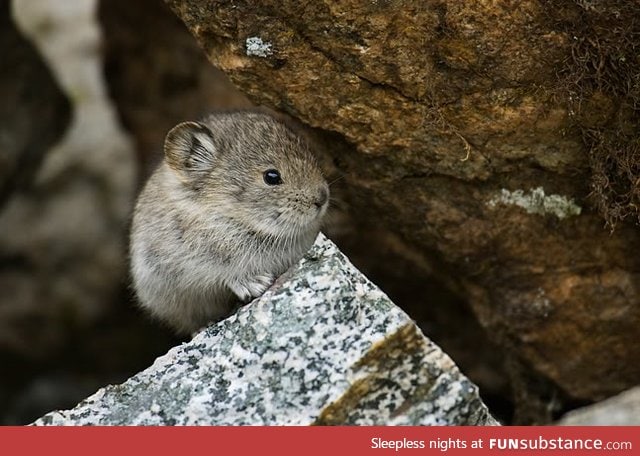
(237, 200)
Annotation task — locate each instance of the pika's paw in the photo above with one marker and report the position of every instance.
(251, 288)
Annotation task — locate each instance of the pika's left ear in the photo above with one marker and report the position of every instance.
(189, 149)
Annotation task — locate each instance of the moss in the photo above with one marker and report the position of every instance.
(600, 81)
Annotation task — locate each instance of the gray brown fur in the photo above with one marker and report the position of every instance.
(208, 231)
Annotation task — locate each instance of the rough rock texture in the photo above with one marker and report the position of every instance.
(620, 410)
(157, 79)
(322, 346)
(452, 128)
(31, 102)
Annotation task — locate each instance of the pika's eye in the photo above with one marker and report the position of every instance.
(272, 177)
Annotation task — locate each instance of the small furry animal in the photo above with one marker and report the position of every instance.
(237, 200)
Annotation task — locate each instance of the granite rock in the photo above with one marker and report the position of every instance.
(322, 346)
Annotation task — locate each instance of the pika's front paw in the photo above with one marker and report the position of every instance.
(251, 288)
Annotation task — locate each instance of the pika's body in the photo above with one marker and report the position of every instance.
(237, 200)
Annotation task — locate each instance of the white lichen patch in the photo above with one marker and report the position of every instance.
(535, 201)
(256, 47)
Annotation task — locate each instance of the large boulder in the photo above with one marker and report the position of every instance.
(322, 346)
(492, 142)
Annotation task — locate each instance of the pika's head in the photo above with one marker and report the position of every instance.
(253, 169)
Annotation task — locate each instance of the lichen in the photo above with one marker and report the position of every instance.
(258, 48)
(537, 202)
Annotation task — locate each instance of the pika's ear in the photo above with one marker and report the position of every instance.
(189, 148)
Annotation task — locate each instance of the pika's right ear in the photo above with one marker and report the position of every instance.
(189, 148)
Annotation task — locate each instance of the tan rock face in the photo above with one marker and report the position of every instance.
(455, 138)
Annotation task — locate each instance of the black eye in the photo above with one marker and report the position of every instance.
(272, 177)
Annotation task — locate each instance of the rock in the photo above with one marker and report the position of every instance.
(63, 237)
(620, 410)
(455, 126)
(34, 112)
(67, 325)
(322, 346)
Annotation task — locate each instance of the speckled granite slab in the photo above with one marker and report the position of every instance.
(322, 346)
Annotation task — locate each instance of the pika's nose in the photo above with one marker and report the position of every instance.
(322, 197)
